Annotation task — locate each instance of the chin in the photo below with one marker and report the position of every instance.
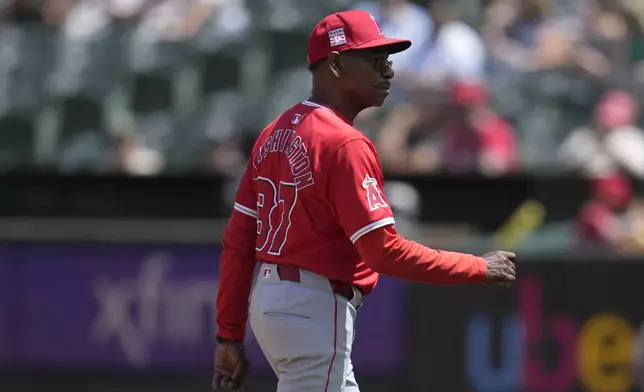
(379, 101)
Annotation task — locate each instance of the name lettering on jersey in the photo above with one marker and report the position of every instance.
(285, 141)
(374, 196)
(267, 146)
(277, 138)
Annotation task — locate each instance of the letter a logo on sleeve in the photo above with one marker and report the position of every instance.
(374, 196)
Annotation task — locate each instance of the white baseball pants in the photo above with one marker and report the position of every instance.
(305, 331)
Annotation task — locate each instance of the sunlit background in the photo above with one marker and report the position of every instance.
(515, 124)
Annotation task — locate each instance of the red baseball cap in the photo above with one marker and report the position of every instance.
(615, 187)
(616, 108)
(349, 30)
(468, 93)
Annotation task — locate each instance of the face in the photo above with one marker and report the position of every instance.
(364, 75)
(532, 8)
(442, 11)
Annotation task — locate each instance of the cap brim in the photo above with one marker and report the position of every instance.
(392, 45)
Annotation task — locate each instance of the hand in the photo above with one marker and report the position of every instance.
(501, 268)
(231, 366)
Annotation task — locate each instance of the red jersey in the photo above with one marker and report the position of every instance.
(314, 186)
(493, 137)
(598, 224)
(311, 196)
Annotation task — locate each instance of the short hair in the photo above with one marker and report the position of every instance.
(314, 66)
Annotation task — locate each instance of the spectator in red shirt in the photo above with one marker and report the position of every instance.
(476, 138)
(457, 133)
(611, 219)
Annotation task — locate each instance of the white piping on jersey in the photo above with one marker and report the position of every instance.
(245, 210)
(315, 105)
(371, 227)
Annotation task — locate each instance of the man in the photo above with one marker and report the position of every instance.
(403, 18)
(311, 209)
(476, 138)
(612, 142)
(457, 54)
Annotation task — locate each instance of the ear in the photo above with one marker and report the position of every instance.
(335, 63)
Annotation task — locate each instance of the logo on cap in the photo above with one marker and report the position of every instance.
(373, 18)
(337, 37)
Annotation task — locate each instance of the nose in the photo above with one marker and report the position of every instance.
(388, 73)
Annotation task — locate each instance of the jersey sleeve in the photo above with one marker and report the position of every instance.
(356, 196)
(237, 263)
(388, 253)
(245, 198)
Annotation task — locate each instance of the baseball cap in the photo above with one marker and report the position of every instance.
(349, 30)
(616, 108)
(614, 187)
(467, 93)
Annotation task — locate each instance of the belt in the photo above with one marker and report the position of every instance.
(290, 273)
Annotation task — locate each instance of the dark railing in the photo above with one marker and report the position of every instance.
(445, 199)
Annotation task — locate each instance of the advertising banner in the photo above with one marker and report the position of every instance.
(567, 326)
(150, 307)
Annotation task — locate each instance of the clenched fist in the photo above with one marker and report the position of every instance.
(231, 366)
(501, 268)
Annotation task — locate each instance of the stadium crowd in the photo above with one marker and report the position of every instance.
(152, 86)
(147, 86)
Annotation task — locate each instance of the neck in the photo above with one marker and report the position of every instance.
(337, 102)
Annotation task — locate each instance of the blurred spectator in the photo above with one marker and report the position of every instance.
(463, 135)
(81, 65)
(85, 69)
(182, 85)
(612, 142)
(544, 76)
(25, 53)
(180, 20)
(477, 139)
(137, 159)
(457, 54)
(522, 35)
(408, 137)
(56, 12)
(612, 219)
(125, 9)
(399, 18)
(220, 40)
(161, 48)
(604, 43)
(402, 18)
(22, 11)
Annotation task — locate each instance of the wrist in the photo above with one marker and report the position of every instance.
(231, 333)
(482, 275)
(224, 340)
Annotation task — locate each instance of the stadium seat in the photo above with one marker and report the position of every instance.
(17, 137)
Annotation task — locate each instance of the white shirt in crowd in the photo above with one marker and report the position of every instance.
(458, 54)
(410, 21)
(622, 147)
